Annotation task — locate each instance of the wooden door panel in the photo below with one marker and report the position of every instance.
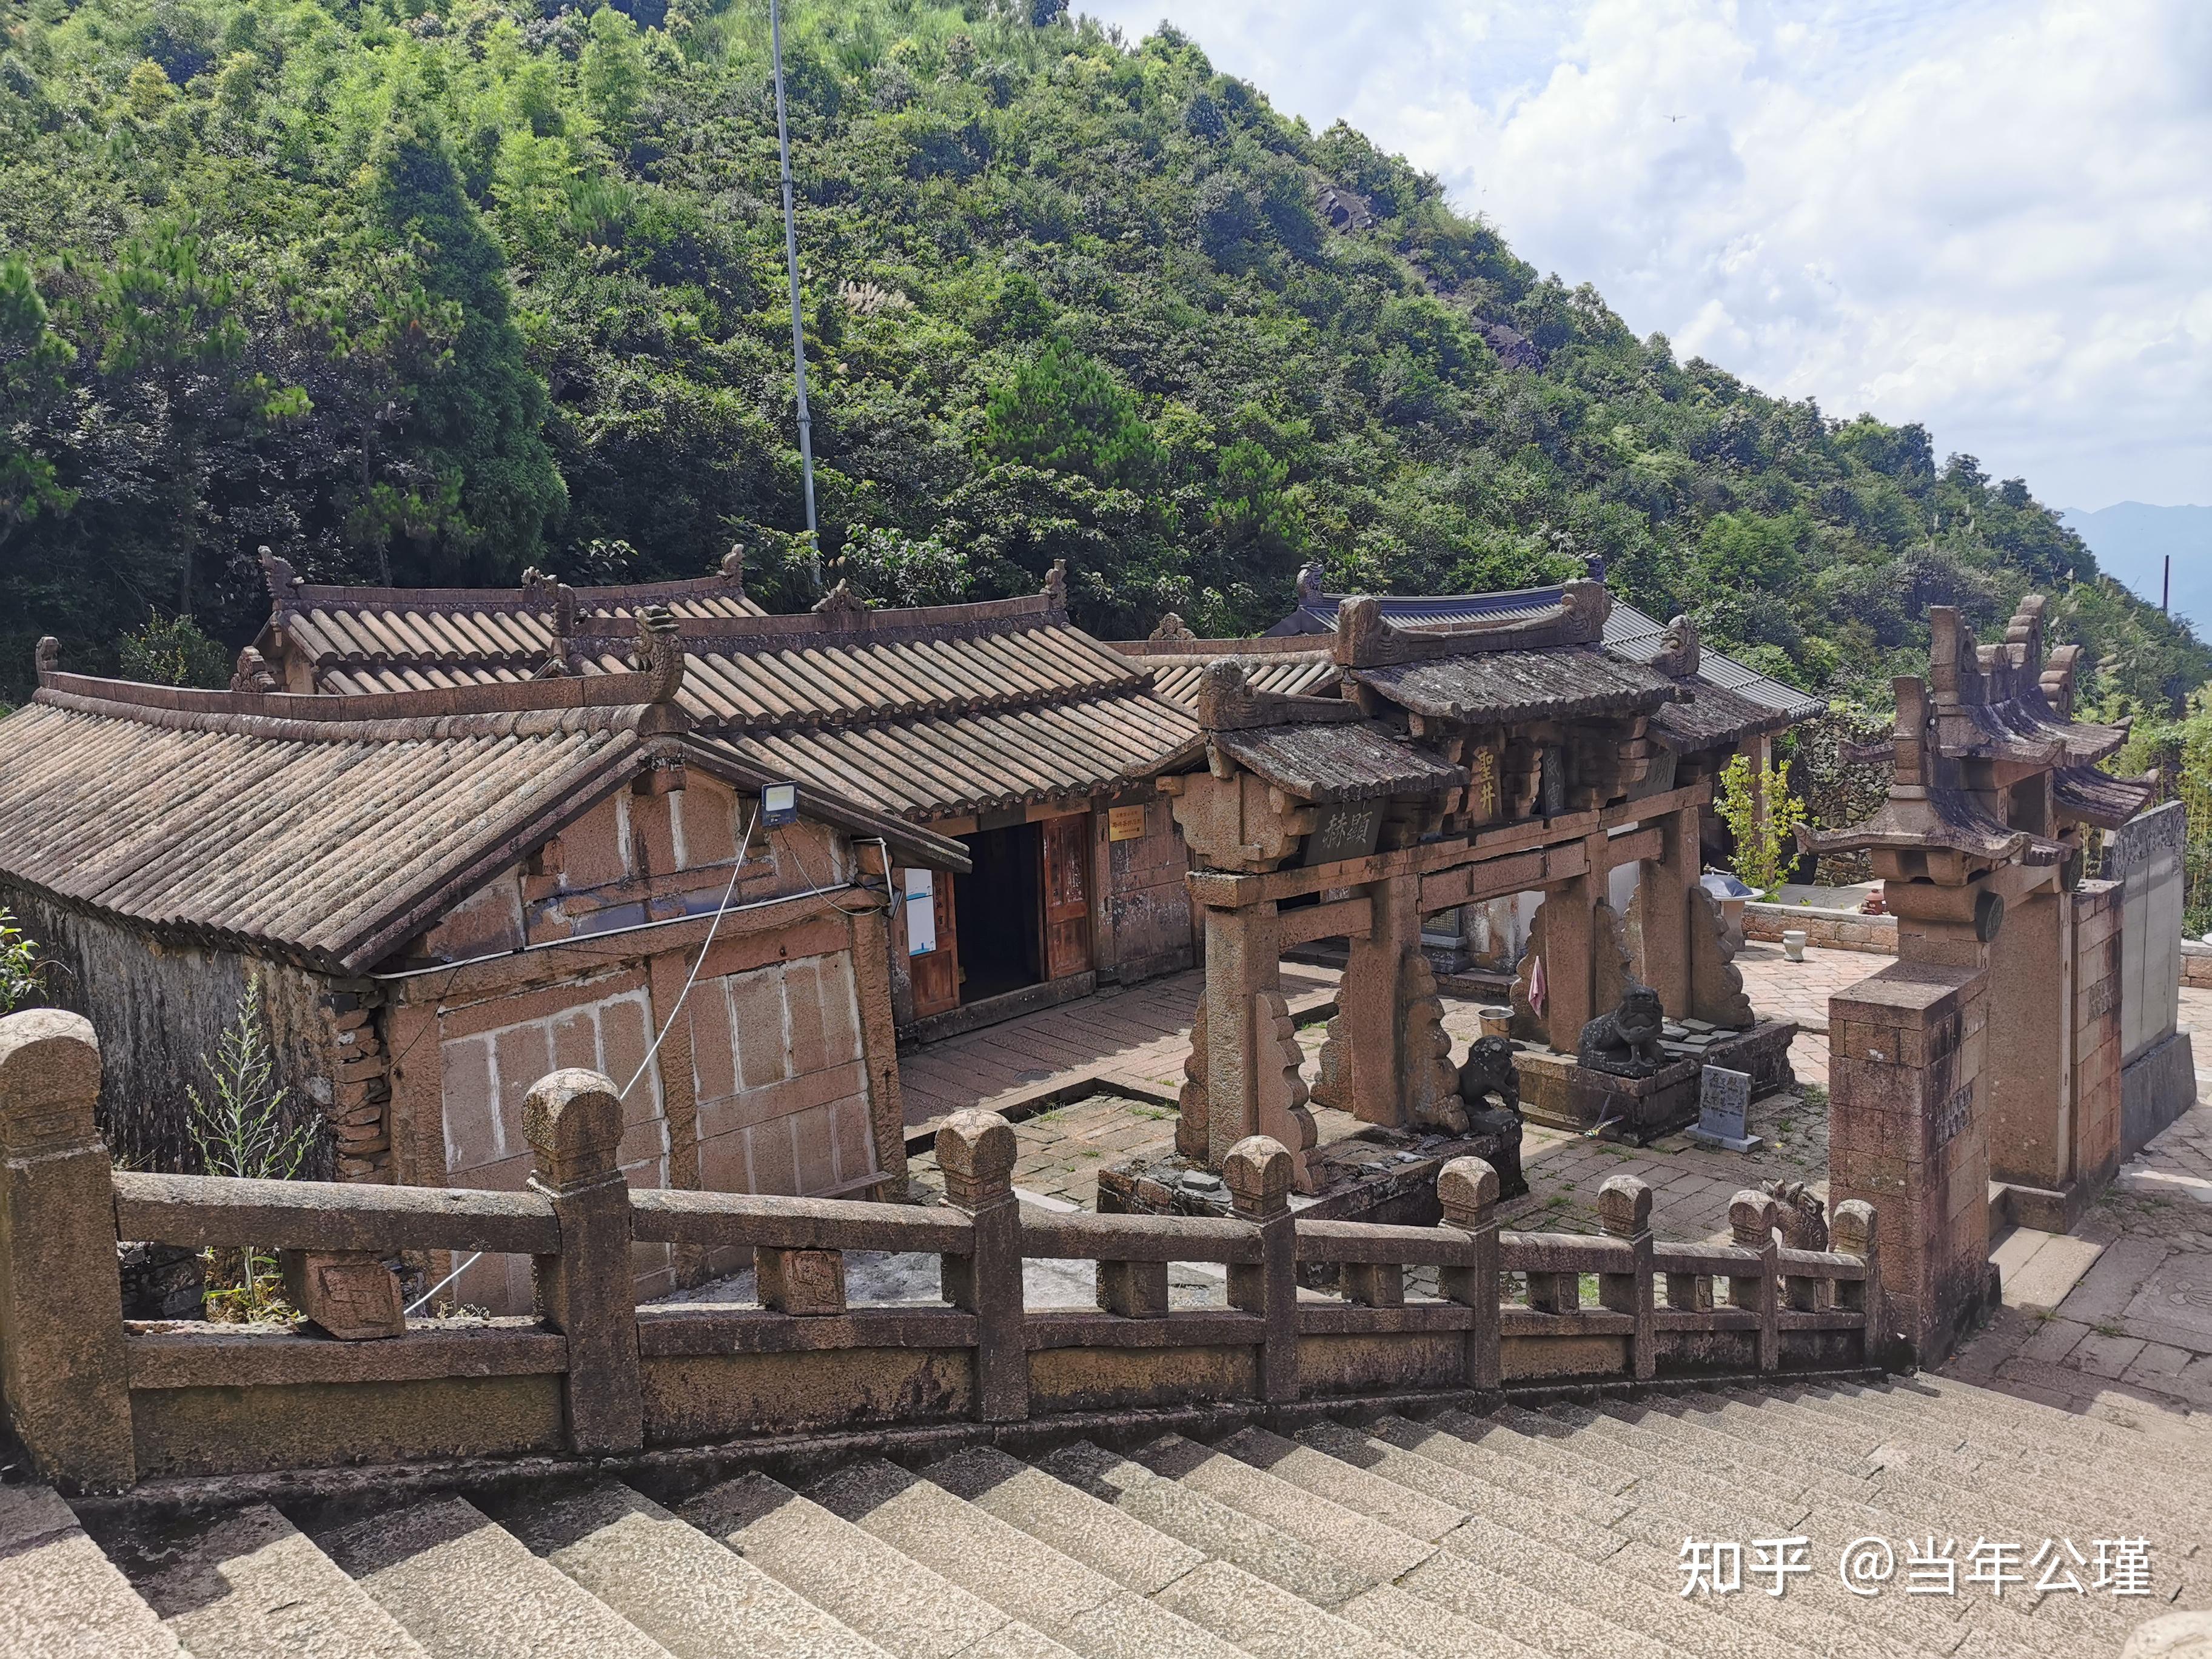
(936, 974)
(1067, 895)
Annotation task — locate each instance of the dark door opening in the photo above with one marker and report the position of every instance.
(1002, 933)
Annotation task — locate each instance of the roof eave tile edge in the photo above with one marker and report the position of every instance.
(129, 700)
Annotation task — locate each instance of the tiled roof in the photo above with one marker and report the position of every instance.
(329, 839)
(936, 712)
(377, 639)
(2098, 798)
(1628, 632)
(1341, 760)
(1565, 682)
(1304, 672)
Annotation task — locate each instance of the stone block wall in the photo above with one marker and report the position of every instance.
(1826, 930)
(2097, 982)
(1907, 1132)
(2158, 1077)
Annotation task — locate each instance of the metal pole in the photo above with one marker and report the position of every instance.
(798, 329)
(2165, 591)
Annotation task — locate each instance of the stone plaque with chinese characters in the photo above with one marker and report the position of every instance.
(1482, 786)
(1346, 829)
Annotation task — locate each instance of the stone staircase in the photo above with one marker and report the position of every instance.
(1551, 1531)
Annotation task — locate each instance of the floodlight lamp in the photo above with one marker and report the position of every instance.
(779, 804)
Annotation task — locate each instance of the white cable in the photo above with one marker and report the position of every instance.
(737, 868)
(417, 1306)
(705, 945)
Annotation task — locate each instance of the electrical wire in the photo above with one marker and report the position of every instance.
(737, 869)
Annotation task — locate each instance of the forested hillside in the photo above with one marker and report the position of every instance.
(437, 292)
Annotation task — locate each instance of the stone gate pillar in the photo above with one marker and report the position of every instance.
(2031, 1061)
(1907, 1134)
(1241, 961)
(1367, 1000)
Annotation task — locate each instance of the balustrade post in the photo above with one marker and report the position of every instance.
(976, 1152)
(1750, 1220)
(1851, 1232)
(1467, 1187)
(1623, 1209)
(63, 1369)
(1259, 1172)
(573, 1119)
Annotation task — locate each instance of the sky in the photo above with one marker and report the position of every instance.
(1993, 218)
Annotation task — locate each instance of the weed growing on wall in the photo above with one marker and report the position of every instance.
(238, 1129)
(23, 970)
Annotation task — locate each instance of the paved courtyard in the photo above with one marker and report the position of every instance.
(2115, 1317)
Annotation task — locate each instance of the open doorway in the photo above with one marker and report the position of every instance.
(1001, 933)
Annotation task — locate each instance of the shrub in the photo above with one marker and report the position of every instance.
(1766, 842)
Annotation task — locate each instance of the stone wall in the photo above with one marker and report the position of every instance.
(2158, 1078)
(1826, 930)
(161, 1006)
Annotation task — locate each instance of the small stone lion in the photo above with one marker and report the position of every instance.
(1803, 1218)
(1488, 1079)
(1626, 1041)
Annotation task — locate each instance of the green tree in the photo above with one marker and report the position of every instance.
(172, 332)
(479, 422)
(1065, 411)
(173, 650)
(34, 364)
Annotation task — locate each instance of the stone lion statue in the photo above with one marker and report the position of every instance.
(1626, 1041)
(1487, 1078)
(1803, 1218)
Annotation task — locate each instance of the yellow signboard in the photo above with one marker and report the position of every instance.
(1124, 823)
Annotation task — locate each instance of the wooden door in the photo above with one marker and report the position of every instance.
(936, 974)
(1067, 895)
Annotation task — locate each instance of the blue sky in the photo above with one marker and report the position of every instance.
(1993, 218)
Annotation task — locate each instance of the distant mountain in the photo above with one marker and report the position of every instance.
(2132, 541)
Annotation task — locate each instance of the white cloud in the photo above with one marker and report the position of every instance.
(1992, 217)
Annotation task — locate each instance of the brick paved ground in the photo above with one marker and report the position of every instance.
(2116, 1317)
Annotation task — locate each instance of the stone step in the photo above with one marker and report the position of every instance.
(1577, 1536)
(466, 1587)
(1209, 1527)
(1954, 1494)
(250, 1585)
(1400, 1508)
(1020, 1575)
(1468, 1588)
(1536, 1486)
(2111, 1483)
(1831, 1521)
(695, 1597)
(1428, 1630)
(2116, 1425)
(1266, 1621)
(855, 1577)
(1369, 1547)
(60, 1596)
(1088, 1529)
(1658, 1520)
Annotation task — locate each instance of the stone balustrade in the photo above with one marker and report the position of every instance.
(100, 1402)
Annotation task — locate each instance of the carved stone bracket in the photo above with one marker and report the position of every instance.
(1282, 1088)
(1429, 1083)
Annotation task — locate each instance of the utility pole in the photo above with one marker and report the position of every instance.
(798, 327)
(2166, 590)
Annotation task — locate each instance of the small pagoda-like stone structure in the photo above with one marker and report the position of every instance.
(1969, 1061)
